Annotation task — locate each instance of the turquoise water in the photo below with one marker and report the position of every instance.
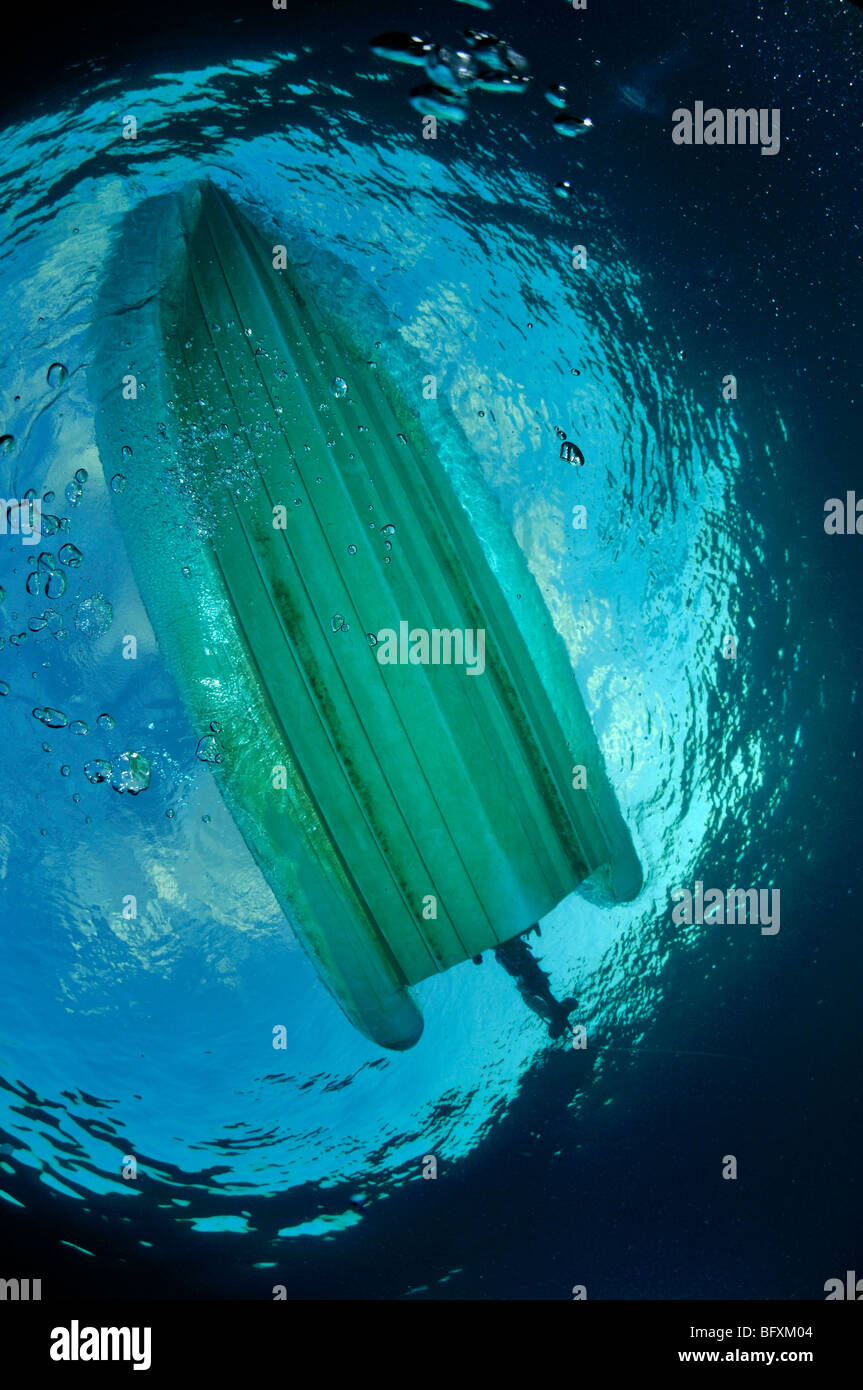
(152, 1036)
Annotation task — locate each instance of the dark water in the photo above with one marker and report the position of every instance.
(152, 1038)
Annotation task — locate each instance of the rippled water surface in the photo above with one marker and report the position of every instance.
(152, 1036)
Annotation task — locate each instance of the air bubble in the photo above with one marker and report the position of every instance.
(338, 387)
(338, 623)
(81, 476)
(97, 771)
(118, 483)
(207, 750)
(57, 374)
(352, 550)
(131, 773)
(106, 721)
(70, 555)
(79, 727)
(449, 69)
(572, 125)
(7, 443)
(570, 453)
(4, 687)
(431, 100)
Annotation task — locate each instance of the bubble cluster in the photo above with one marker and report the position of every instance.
(51, 718)
(94, 616)
(485, 64)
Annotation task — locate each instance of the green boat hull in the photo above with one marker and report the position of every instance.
(408, 815)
